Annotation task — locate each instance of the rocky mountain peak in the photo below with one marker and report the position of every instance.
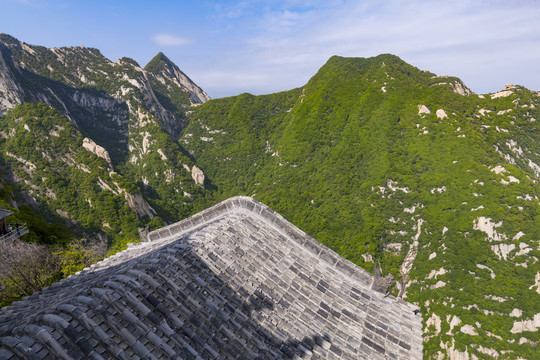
(164, 68)
(128, 60)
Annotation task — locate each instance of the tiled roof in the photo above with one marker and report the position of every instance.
(4, 213)
(234, 281)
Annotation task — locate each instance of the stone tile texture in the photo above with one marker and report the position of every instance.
(236, 281)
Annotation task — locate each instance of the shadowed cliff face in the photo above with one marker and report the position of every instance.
(98, 115)
(105, 100)
(118, 106)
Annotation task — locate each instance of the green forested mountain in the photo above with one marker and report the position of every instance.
(116, 107)
(61, 171)
(388, 165)
(92, 145)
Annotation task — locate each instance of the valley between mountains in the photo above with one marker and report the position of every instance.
(388, 165)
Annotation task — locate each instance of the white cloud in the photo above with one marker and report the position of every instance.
(170, 40)
(479, 41)
(268, 46)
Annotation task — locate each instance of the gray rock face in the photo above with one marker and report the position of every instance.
(380, 283)
(151, 102)
(169, 70)
(91, 146)
(236, 280)
(197, 175)
(10, 93)
(139, 205)
(197, 95)
(460, 88)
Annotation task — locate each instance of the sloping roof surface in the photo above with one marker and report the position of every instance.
(4, 213)
(236, 281)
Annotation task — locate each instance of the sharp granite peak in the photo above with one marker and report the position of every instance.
(164, 90)
(118, 112)
(164, 69)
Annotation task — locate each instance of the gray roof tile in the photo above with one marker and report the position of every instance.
(234, 281)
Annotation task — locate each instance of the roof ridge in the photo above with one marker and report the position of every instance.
(236, 204)
(237, 271)
(241, 204)
(278, 222)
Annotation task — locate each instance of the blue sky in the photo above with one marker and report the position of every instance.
(265, 46)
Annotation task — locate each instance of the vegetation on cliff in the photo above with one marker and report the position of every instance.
(386, 164)
(390, 165)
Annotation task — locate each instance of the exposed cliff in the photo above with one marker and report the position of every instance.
(10, 93)
(165, 71)
(122, 115)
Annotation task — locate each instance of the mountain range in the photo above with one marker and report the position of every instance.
(395, 168)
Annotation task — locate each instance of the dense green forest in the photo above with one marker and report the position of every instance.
(89, 154)
(386, 164)
(351, 159)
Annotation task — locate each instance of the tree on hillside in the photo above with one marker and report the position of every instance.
(24, 269)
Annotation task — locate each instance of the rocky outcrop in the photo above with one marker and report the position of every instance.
(380, 283)
(536, 281)
(197, 175)
(516, 313)
(526, 325)
(196, 94)
(434, 321)
(100, 151)
(502, 250)
(487, 226)
(441, 114)
(457, 86)
(408, 262)
(141, 207)
(164, 68)
(502, 93)
(460, 88)
(468, 329)
(453, 353)
(423, 109)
